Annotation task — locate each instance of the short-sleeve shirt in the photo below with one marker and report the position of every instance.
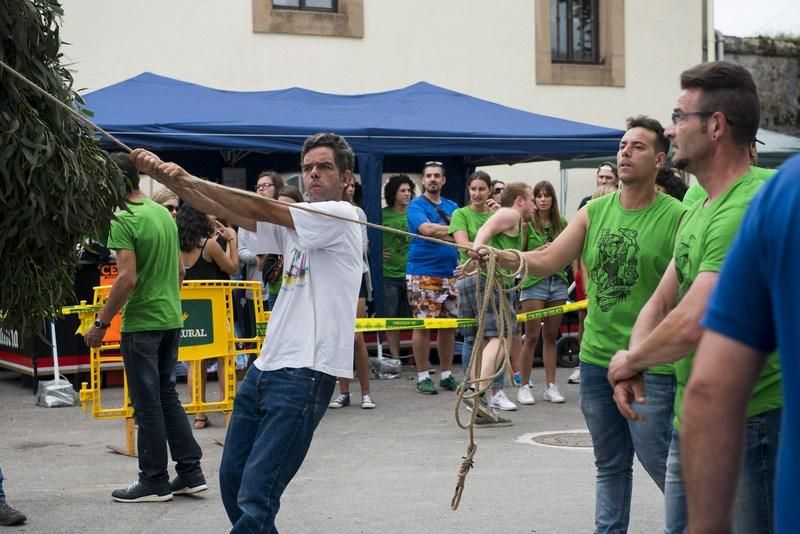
(150, 232)
(754, 278)
(313, 320)
(426, 258)
(469, 221)
(702, 245)
(395, 266)
(625, 253)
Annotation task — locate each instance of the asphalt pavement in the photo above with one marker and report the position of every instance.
(388, 470)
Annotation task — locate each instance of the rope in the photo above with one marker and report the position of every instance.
(471, 389)
(494, 288)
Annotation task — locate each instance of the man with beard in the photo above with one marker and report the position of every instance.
(713, 126)
(429, 277)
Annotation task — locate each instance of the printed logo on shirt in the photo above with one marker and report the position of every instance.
(616, 271)
(297, 273)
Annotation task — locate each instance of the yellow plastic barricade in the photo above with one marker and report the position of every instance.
(208, 332)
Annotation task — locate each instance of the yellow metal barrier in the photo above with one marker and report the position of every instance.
(208, 332)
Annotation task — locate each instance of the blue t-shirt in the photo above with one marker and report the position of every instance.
(426, 258)
(755, 303)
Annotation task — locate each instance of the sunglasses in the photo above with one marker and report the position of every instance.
(170, 207)
(497, 190)
(434, 164)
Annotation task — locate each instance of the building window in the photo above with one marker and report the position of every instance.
(580, 42)
(573, 31)
(329, 18)
(306, 5)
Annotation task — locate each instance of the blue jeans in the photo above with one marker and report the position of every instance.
(150, 359)
(2, 495)
(755, 491)
(274, 418)
(615, 439)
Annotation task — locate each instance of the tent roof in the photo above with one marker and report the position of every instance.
(167, 114)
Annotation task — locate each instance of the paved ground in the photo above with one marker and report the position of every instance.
(388, 470)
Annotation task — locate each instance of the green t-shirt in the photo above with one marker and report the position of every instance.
(625, 253)
(395, 266)
(701, 246)
(696, 191)
(536, 240)
(470, 221)
(503, 241)
(149, 231)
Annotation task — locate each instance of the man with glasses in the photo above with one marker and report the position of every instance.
(429, 277)
(713, 124)
(497, 191)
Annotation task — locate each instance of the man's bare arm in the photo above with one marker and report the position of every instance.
(501, 221)
(560, 253)
(435, 230)
(121, 289)
(234, 205)
(713, 429)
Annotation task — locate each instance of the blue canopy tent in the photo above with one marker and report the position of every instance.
(391, 131)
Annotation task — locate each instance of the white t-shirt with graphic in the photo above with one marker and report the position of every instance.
(313, 319)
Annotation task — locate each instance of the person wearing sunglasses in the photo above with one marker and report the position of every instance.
(429, 277)
(168, 199)
(496, 187)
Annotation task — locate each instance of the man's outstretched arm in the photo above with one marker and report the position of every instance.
(234, 205)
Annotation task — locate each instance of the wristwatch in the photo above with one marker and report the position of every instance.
(100, 325)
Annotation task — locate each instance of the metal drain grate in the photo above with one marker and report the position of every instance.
(565, 439)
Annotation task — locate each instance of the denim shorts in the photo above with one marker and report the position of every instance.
(468, 307)
(550, 289)
(395, 298)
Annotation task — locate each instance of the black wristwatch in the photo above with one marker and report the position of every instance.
(100, 325)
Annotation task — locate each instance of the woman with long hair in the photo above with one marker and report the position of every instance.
(539, 293)
(204, 257)
(464, 226)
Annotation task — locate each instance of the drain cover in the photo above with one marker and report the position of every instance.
(565, 439)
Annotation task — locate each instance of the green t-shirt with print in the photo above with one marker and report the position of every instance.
(625, 253)
(395, 266)
(701, 246)
(149, 231)
(470, 221)
(536, 240)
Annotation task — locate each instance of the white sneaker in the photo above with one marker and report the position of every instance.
(525, 395)
(575, 377)
(552, 394)
(501, 402)
(366, 402)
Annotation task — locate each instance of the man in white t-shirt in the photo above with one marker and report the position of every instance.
(284, 395)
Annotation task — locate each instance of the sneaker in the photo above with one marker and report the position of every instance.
(341, 401)
(366, 402)
(179, 486)
(426, 387)
(10, 516)
(501, 402)
(138, 492)
(575, 377)
(491, 420)
(449, 383)
(552, 394)
(525, 395)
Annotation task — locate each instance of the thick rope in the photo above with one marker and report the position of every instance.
(471, 389)
(495, 288)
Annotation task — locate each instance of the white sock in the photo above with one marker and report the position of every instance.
(422, 375)
(445, 374)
